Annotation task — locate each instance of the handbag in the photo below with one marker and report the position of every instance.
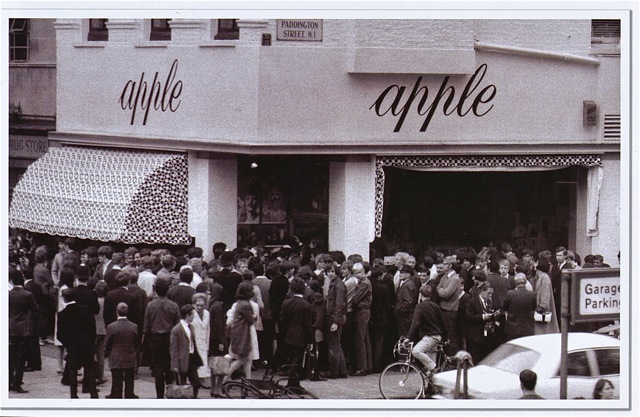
(220, 365)
(178, 390)
(542, 317)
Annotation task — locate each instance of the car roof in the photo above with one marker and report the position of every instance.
(576, 341)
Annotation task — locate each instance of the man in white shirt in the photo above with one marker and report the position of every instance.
(146, 278)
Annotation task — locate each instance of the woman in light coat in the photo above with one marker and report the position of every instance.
(201, 326)
(240, 321)
(544, 298)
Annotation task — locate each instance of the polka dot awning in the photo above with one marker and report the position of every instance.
(105, 194)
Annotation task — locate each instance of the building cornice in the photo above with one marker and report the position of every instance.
(257, 148)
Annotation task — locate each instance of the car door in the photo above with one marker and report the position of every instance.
(581, 369)
(608, 366)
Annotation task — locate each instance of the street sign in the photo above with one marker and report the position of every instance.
(299, 30)
(595, 295)
(591, 294)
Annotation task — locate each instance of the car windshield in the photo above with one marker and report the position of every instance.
(511, 358)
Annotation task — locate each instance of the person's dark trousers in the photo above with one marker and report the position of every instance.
(295, 355)
(100, 356)
(265, 340)
(362, 343)
(337, 364)
(377, 336)
(391, 338)
(322, 363)
(88, 381)
(279, 357)
(192, 374)
(17, 350)
(160, 361)
(450, 318)
(348, 341)
(33, 357)
(120, 377)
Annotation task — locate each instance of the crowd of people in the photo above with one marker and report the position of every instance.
(323, 314)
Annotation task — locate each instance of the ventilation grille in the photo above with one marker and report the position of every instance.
(612, 126)
(605, 31)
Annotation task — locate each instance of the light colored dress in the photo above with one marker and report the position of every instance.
(201, 327)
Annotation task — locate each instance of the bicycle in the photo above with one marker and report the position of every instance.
(270, 387)
(404, 379)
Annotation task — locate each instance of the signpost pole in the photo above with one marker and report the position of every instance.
(564, 322)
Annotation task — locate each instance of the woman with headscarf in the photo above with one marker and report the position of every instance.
(243, 336)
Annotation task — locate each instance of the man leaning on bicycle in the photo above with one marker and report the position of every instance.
(428, 329)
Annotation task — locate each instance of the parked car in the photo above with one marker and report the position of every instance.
(590, 357)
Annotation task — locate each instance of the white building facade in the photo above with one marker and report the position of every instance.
(365, 135)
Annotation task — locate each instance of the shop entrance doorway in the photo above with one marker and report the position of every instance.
(448, 210)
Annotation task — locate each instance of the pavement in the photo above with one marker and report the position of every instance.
(45, 384)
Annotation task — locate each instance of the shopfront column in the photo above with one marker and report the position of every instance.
(213, 187)
(352, 205)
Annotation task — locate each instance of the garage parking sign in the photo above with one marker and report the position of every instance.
(596, 294)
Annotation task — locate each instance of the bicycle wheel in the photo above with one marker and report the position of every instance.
(401, 381)
(448, 364)
(297, 393)
(238, 389)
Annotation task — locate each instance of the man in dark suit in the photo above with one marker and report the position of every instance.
(104, 256)
(228, 279)
(481, 318)
(42, 276)
(185, 360)
(121, 347)
(181, 294)
(85, 295)
(520, 304)
(77, 332)
(160, 317)
(33, 355)
(406, 300)
(295, 321)
(120, 295)
(23, 310)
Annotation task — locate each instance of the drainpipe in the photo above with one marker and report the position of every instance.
(535, 53)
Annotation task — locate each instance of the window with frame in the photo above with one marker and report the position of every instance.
(98, 30)
(228, 29)
(160, 30)
(18, 40)
(578, 364)
(608, 361)
(605, 31)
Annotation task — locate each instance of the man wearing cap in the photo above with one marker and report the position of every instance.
(228, 279)
(449, 294)
(406, 300)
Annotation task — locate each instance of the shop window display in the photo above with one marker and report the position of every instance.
(282, 201)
